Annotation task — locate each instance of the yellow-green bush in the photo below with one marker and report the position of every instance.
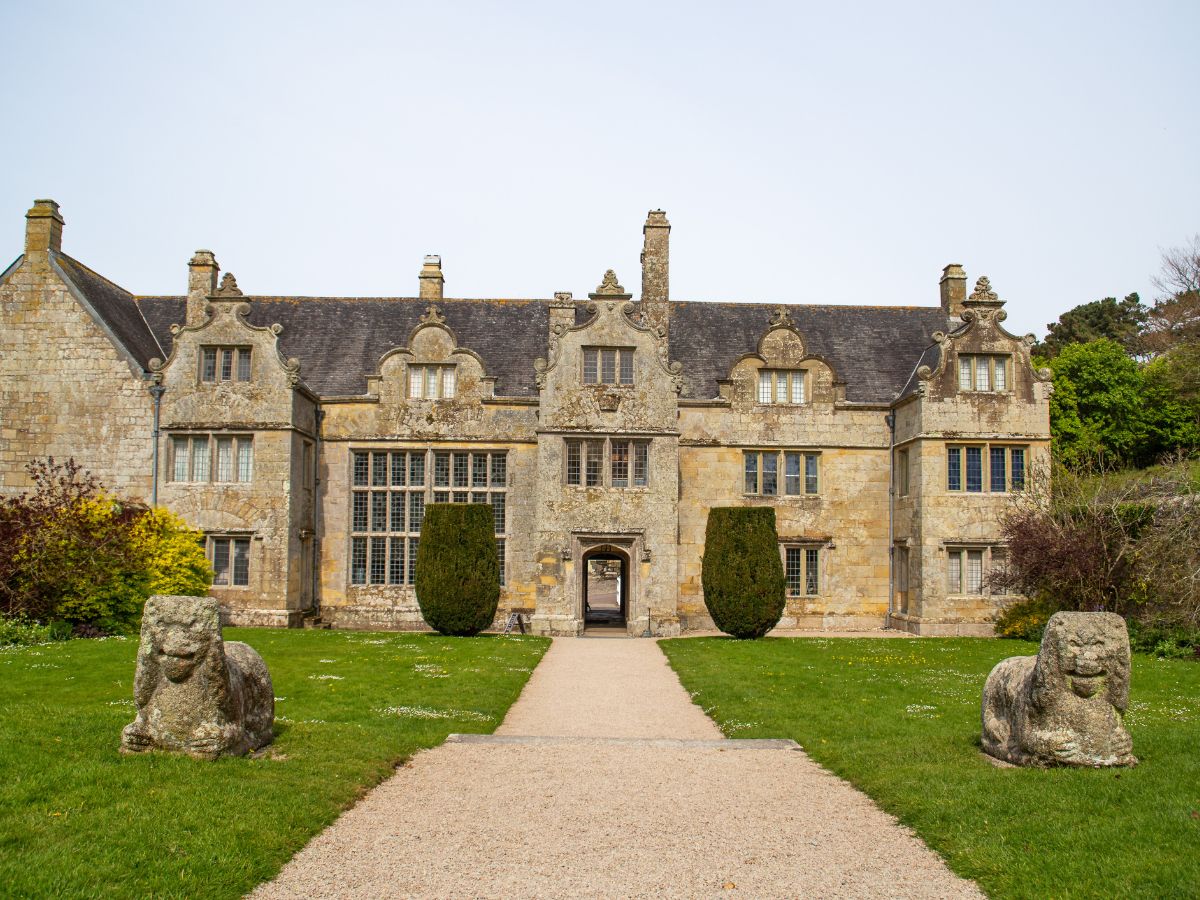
(173, 553)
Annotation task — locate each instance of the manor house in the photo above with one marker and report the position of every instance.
(306, 435)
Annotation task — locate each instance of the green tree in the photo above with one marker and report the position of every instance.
(1119, 321)
(458, 569)
(1096, 409)
(741, 571)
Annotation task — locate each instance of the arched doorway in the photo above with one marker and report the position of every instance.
(605, 588)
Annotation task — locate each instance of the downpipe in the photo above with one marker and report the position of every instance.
(156, 392)
(891, 424)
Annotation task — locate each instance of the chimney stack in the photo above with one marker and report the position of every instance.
(953, 290)
(431, 278)
(656, 293)
(43, 230)
(202, 281)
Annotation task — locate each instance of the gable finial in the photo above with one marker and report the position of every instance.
(781, 318)
(432, 316)
(983, 292)
(229, 287)
(609, 285)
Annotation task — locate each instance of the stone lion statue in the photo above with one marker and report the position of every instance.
(1065, 706)
(196, 693)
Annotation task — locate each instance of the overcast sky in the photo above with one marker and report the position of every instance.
(805, 153)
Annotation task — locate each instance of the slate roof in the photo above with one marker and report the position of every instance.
(116, 308)
(339, 341)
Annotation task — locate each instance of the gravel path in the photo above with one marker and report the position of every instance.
(605, 780)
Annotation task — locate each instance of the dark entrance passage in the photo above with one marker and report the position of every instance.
(605, 590)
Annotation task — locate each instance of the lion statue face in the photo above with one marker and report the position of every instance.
(1088, 653)
(182, 637)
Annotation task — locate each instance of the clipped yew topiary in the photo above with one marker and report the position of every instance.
(458, 571)
(741, 570)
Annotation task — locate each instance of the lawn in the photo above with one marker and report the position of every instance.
(78, 819)
(899, 718)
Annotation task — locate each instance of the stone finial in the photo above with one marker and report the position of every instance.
(43, 227)
(562, 299)
(609, 286)
(432, 316)
(229, 288)
(983, 292)
(781, 318)
(196, 693)
(432, 282)
(1065, 706)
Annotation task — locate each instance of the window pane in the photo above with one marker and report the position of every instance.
(999, 480)
(954, 570)
(751, 473)
(379, 469)
(982, 382)
(574, 462)
(416, 511)
(398, 501)
(441, 469)
(461, 470)
(396, 559)
(500, 557)
(1018, 468)
(964, 373)
(479, 497)
(411, 574)
(1001, 373)
(416, 469)
(399, 461)
(449, 381)
(810, 473)
(620, 463)
(220, 560)
(226, 364)
(208, 370)
(608, 366)
(812, 571)
(595, 463)
(182, 469)
(201, 461)
(358, 561)
(797, 387)
(770, 473)
(460, 496)
(241, 561)
(626, 367)
(224, 459)
(791, 473)
(590, 366)
(974, 469)
(243, 358)
(358, 521)
(245, 459)
(378, 560)
(781, 389)
(794, 570)
(441, 496)
(416, 382)
(974, 571)
(641, 464)
(499, 469)
(479, 475)
(954, 468)
(362, 469)
(431, 374)
(379, 510)
(764, 386)
(498, 512)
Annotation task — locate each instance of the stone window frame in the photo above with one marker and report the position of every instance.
(444, 382)
(992, 556)
(959, 469)
(803, 567)
(805, 477)
(794, 383)
(592, 369)
(232, 542)
(229, 363)
(386, 556)
(996, 379)
(241, 458)
(577, 474)
(903, 572)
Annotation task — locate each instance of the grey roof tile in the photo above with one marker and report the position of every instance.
(116, 307)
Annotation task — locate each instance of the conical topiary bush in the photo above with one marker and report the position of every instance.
(741, 570)
(458, 570)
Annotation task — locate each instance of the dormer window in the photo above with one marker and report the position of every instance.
(608, 365)
(983, 372)
(224, 364)
(781, 386)
(431, 382)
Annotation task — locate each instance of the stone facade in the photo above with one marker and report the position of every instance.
(305, 436)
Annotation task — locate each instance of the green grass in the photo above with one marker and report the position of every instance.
(899, 718)
(78, 819)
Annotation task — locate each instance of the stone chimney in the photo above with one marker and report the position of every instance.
(431, 278)
(953, 289)
(43, 231)
(656, 258)
(202, 281)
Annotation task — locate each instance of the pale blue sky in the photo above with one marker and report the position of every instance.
(823, 153)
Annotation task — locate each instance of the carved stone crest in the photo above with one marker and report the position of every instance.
(432, 316)
(609, 286)
(983, 292)
(781, 318)
(229, 287)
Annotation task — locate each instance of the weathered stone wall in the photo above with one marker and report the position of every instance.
(66, 388)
